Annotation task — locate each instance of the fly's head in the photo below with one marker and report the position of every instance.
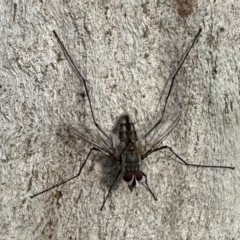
(132, 178)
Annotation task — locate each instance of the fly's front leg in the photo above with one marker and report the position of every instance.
(69, 179)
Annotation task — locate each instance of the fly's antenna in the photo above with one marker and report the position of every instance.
(173, 79)
(81, 78)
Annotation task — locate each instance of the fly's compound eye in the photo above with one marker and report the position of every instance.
(128, 176)
(138, 176)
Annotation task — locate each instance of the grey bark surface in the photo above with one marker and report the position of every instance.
(126, 50)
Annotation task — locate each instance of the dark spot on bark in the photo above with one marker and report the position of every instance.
(221, 29)
(14, 11)
(146, 55)
(185, 7)
(144, 7)
(82, 94)
(58, 195)
(59, 57)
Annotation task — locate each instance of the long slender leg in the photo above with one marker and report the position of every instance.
(172, 80)
(148, 188)
(69, 179)
(81, 78)
(110, 189)
(186, 163)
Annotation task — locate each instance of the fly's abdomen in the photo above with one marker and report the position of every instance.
(131, 163)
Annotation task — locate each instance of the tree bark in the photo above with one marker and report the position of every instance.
(126, 51)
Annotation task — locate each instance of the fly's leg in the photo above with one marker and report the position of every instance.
(186, 163)
(147, 187)
(173, 76)
(110, 189)
(69, 179)
(81, 78)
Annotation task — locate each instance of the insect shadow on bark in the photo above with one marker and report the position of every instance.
(109, 168)
(124, 145)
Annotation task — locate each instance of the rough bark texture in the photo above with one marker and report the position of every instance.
(126, 50)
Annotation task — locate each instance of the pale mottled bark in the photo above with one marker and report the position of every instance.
(126, 51)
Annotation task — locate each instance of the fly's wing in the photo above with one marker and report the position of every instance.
(154, 135)
(106, 144)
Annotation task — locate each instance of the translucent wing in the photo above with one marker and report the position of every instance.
(154, 135)
(94, 137)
